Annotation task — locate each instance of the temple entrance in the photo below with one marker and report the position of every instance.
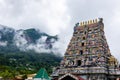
(68, 78)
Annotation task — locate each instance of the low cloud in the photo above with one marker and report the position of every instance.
(3, 43)
(25, 43)
(59, 17)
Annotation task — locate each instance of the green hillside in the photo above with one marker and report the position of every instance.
(12, 64)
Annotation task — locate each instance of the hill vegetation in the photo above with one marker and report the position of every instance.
(21, 63)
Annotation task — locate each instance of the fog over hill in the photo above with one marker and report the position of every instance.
(28, 39)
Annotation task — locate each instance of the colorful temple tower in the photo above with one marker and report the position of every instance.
(88, 55)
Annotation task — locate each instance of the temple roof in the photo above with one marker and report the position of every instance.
(42, 74)
(72, 76)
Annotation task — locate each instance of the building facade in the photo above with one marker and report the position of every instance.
(88, 55)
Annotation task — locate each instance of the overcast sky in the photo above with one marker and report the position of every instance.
(60, 16)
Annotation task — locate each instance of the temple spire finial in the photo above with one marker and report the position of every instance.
(90, 22)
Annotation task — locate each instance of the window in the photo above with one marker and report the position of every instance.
(82, 44)
(85, 32)
(83, 38)
(79, 62)
(81, 52)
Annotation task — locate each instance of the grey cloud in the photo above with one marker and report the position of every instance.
(59, 17)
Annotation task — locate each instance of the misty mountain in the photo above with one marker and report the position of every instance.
(25, 40)
(26, 51)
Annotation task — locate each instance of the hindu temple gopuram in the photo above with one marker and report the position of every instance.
(88, 55)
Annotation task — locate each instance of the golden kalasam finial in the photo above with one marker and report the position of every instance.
(93, 21)
(96, 20)
(85, 22)
(80, 23)
(90, 21)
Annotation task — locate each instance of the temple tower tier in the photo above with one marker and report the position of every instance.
(88, 55)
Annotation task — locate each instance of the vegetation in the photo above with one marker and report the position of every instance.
(22, 63)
